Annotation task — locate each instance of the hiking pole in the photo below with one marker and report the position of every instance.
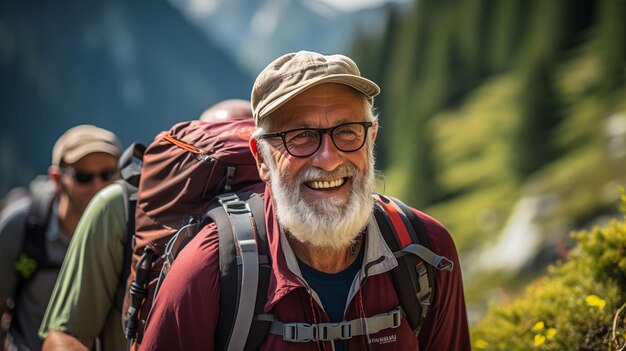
(138, 292)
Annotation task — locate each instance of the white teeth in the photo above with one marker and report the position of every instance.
(326, 184)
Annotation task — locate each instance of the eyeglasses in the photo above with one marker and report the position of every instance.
(86, 178)
(304, 142)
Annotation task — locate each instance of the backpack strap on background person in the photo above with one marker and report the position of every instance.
(130, 170)
(129, 165)
(404, 233)
(33, 256)
(129, 192)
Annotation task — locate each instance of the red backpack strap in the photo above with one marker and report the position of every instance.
(398, 221)
(404, 233)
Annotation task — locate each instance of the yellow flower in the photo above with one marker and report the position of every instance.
(595, 301)
(550, 333)
(538, 326)
(480, 344)
(540, 339)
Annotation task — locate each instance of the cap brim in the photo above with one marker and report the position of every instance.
(363, 85)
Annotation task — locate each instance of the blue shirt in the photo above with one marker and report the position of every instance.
(333, 289)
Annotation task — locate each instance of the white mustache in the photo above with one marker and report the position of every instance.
(313, 174)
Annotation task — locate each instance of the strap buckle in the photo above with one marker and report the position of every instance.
(299, 332)
(303, 332)
(235, 206)
(396, 317)
(445, 264)
(334, 331)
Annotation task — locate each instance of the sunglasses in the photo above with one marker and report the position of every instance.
(87, 178)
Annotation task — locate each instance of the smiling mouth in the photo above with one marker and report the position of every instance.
(326, 184)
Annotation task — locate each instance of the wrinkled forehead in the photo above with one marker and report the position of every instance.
(322, 106)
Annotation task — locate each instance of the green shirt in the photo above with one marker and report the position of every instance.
(83, 303)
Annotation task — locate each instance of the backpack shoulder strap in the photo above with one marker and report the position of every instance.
(245, 270)
(130, 163)
(130, 202)
(130, 169)
(421, 246)
(405, 235)
(33, 256)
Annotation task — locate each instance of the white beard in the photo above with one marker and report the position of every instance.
(330, 223)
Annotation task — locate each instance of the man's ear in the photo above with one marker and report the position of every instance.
(264, 171)
(54, 173)
(374, 131)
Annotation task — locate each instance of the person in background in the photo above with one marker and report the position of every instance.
(35, 231)
(85, 308)
(314, 148)
(227, 109)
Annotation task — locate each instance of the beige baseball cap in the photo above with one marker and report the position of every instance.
(82, 140)
(293, 73)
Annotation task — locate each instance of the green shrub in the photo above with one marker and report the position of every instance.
(578, 305)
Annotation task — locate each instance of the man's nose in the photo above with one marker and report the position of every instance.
(327, 157)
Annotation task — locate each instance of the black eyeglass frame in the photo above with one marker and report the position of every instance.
(85, 178)
(321, 132)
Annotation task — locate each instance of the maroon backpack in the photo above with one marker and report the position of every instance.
(183, 170)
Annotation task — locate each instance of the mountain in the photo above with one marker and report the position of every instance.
(256, 32)
(134, 67)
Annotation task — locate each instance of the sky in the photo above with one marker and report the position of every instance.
(204, 7)
(353, 5)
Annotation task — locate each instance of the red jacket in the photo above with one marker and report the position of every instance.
(184, 314)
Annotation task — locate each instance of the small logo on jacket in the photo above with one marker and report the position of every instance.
(385, 339)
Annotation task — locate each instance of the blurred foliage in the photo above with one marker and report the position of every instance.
(579, 305)
(485, 103)
(480, 97)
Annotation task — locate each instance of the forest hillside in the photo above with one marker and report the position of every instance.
(506, 120)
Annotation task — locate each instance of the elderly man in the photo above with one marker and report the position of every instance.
(314, 148)
(35, 233)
